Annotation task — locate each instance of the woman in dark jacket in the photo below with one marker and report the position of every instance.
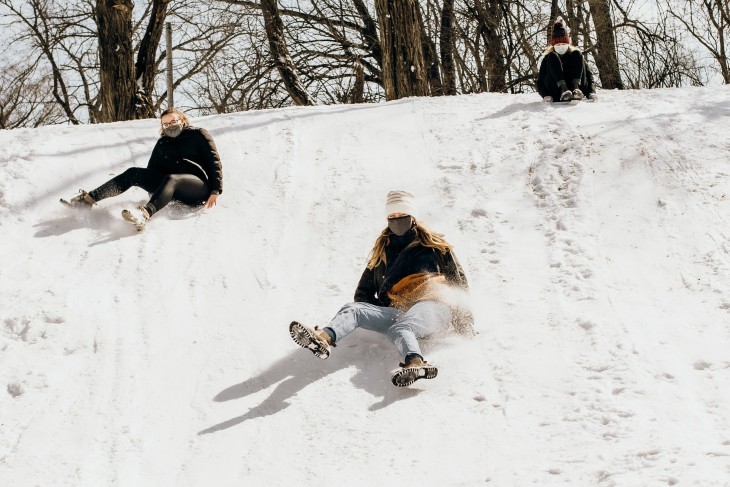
(409, 290)
(184, 166)
(563, 74)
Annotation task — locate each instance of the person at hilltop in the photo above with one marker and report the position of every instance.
(563, 73)
(413, 287)
(184, 166)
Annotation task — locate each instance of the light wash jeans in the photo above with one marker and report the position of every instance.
(403, 329)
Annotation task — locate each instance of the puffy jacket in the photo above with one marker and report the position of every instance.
(410, 268)
(191, 152)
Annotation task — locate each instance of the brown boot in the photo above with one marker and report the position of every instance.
(577, 94)
(415, 368)
(566, 95)
(81, 200)
(137, 217)
(316, 340)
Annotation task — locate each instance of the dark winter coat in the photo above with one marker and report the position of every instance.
(191, 152)
(404, 260)
(568, 67)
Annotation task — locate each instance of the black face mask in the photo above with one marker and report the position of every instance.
(400, 225)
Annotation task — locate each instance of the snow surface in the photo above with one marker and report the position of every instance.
(595, 238)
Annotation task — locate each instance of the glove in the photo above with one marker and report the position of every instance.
(547, 99)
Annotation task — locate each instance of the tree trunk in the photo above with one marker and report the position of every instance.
(490, 16)
(116, 60)
(280, 54)
(404, 67)
(605, 55)
(447, 47)
(146, 57)
(358, 89)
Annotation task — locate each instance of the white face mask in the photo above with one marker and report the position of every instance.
(561, 48)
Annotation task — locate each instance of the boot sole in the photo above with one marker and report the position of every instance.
(131, 219)
(408, 375)
(304, 337)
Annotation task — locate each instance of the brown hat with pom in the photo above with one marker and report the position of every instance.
(560, 34)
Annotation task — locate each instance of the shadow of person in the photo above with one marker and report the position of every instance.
(371, 354)
(110, 228)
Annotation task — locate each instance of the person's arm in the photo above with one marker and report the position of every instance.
(541, 85)
(453, 271)
(155, 156)
(366, 288)
(213, 167)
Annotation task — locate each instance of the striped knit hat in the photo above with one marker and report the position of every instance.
(400, 202)
(560, 34)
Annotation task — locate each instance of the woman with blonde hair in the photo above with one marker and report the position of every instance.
(184, 166)
(563, 73)
(407, 292)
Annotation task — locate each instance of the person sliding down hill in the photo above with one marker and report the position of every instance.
(407, 291)
(563, 74)
(184, 166)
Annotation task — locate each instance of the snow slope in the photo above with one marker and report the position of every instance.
(595, 238)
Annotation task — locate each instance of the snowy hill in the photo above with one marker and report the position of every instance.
(596, 241)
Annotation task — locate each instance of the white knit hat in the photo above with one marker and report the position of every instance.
(400, 202)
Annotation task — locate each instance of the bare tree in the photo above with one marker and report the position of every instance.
(146, 68)
(25, 98)
(708, 22)
(605, 53)
(404, 66)
(280, 54)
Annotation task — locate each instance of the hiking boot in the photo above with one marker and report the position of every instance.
(577, 94)
(81, 200)
(318, 341)
(566, 95)
(411, 371)
(137, 216)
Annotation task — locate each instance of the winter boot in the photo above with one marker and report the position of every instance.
(318, 341)
(137, 216)
(81, 200)
(566, 95)
(577, 94)
(411, 371)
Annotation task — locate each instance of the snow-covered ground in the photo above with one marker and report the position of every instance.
(596, 241)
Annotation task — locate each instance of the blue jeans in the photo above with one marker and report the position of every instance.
(403, 329)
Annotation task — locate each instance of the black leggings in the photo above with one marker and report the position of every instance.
(569, 68)
(185, 188)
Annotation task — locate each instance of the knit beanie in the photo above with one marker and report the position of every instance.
(560, 34)
(400, 202)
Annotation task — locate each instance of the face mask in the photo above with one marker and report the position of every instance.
(561, 49)
(400, 225)
(173, 130)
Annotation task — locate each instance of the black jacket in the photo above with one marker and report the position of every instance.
(551, 70)
(403, 260)
(191, 152)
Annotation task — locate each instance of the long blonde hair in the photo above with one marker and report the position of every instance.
(424, 237)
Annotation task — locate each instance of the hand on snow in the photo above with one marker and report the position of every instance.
(592, 96)
(211, 201)
(547, 99)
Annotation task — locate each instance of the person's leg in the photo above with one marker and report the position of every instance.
(574, 68)
(185, 188)
(555, 79)
(141, 177)
(423, 319)
(361, 315)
